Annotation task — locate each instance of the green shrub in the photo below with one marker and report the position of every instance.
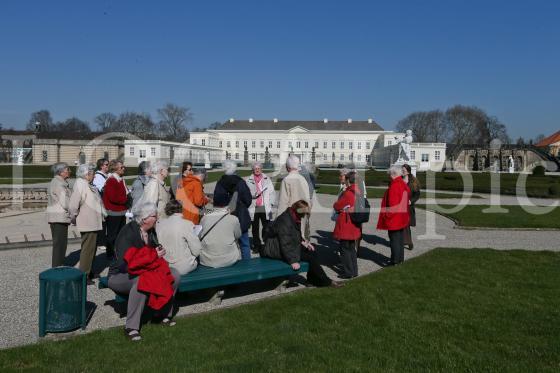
(554, 190)
(538, 171)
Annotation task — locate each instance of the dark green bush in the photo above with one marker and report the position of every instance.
(538, 171)
(554, 190)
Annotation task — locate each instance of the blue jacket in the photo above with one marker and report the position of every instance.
(226, 187)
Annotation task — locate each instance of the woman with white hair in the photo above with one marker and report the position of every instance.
(58, 215)
(229, 186)
(137, 253)
(155, 191)
(86, 212)
(264, 198)
(138, 186)
(394, 216)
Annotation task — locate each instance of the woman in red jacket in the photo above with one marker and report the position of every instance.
(394, 216)
(345, 231)
(115, 200)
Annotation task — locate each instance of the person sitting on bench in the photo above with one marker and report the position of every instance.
(176, 234)
(285, 242)
(136, 236)
(220, 234)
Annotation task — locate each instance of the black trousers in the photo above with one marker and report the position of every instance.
(396, 241)
(59, 233)
(349, 258)
(260, 216)
(114, 226)
(315, 275)
(102, 235)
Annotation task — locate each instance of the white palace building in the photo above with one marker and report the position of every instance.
(325, 143)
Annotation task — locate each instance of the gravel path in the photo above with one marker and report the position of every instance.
(19, 269)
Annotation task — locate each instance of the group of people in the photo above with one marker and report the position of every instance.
(173, 230)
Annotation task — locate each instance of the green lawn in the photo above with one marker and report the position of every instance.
(448, 310)
(473, 216)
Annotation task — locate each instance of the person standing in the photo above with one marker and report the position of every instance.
(155, 191)
(101, 175)
(144, 176)
(116, 202)
(394, 216)
(345, 231)
(234, 189)
(294, 188)
(86, 212)
(264, 196)
(58, 215)
(192, 196)
(177, 183)
(414, 186)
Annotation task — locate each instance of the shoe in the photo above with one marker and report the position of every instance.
(168, 322)
(133, 335)
(344, 277)
(336, 284)
(102, 248)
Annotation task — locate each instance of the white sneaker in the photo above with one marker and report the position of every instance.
(101, 248)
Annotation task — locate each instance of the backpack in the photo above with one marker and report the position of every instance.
(361, 211)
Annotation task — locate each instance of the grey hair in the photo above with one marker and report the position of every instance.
(143, 167)
(229, 167)
(344, 171)
(84, 169)
(59, 168)
(256, 164)
(199, 171)
(292, 162)
(143, 210)
(395, 170)
(156, 167)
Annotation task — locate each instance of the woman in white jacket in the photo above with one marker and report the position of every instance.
(264, 199)
(86, 211)
(177, 237)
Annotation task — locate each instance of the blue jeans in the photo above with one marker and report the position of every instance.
(245, 247)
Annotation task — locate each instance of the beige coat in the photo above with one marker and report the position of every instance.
(58, 201)
(86, 206)
(182, 246)
(294, 187)
(155, 192)
(219, 247)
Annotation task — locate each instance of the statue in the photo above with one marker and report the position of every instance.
(511, 165)
(404, 152)
(207, 160)
(245, 157)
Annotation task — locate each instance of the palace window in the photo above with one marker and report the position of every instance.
(333, 145)
(437, 155)
(359, 145)
(425, 157)
(132, 150)
(221, 143)
(351, 157)
(342, 157)
(237, 143)
(46, 155)
(368, 157)
(228, 144)
(253, 144)
(350, 145)
(153, 151)
(236, 155)
(306, 144)
(254, 156)
(270, 144)
(245, 143)
(262, 144)
(142, 153)
(389, 143)
(413, 154)
(324, 144)
(368, 145)
(298, 144)
(203, 142)
(316, 144)
(342, 145)
(278, 144)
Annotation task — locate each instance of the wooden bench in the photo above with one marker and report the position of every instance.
(215, 278)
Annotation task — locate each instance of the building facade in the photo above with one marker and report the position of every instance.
(551, 144)
(324, 143)
(136, 151)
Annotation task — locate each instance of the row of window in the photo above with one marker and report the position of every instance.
(81, 156)
(425, 157)
(142, 152)
(292, 144)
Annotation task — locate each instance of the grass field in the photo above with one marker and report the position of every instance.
(448, 310)
(516, 217)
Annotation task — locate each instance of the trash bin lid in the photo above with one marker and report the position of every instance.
(61, 274)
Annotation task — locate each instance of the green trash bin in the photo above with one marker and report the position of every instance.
(62, 300)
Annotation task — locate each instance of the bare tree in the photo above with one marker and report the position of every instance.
(214, 125)
(498, 130)
(140, 124)
(40, 121)
(105, 121)
(173, 121)
(539, 138)
(467, 125)
(426, 126)
(72, 125)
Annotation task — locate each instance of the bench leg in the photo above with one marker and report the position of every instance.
(216, 299)
(283, 285)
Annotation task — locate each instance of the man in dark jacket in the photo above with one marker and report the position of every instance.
(284, 242)
(230, 185)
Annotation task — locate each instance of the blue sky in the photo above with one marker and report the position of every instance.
(285, 59)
